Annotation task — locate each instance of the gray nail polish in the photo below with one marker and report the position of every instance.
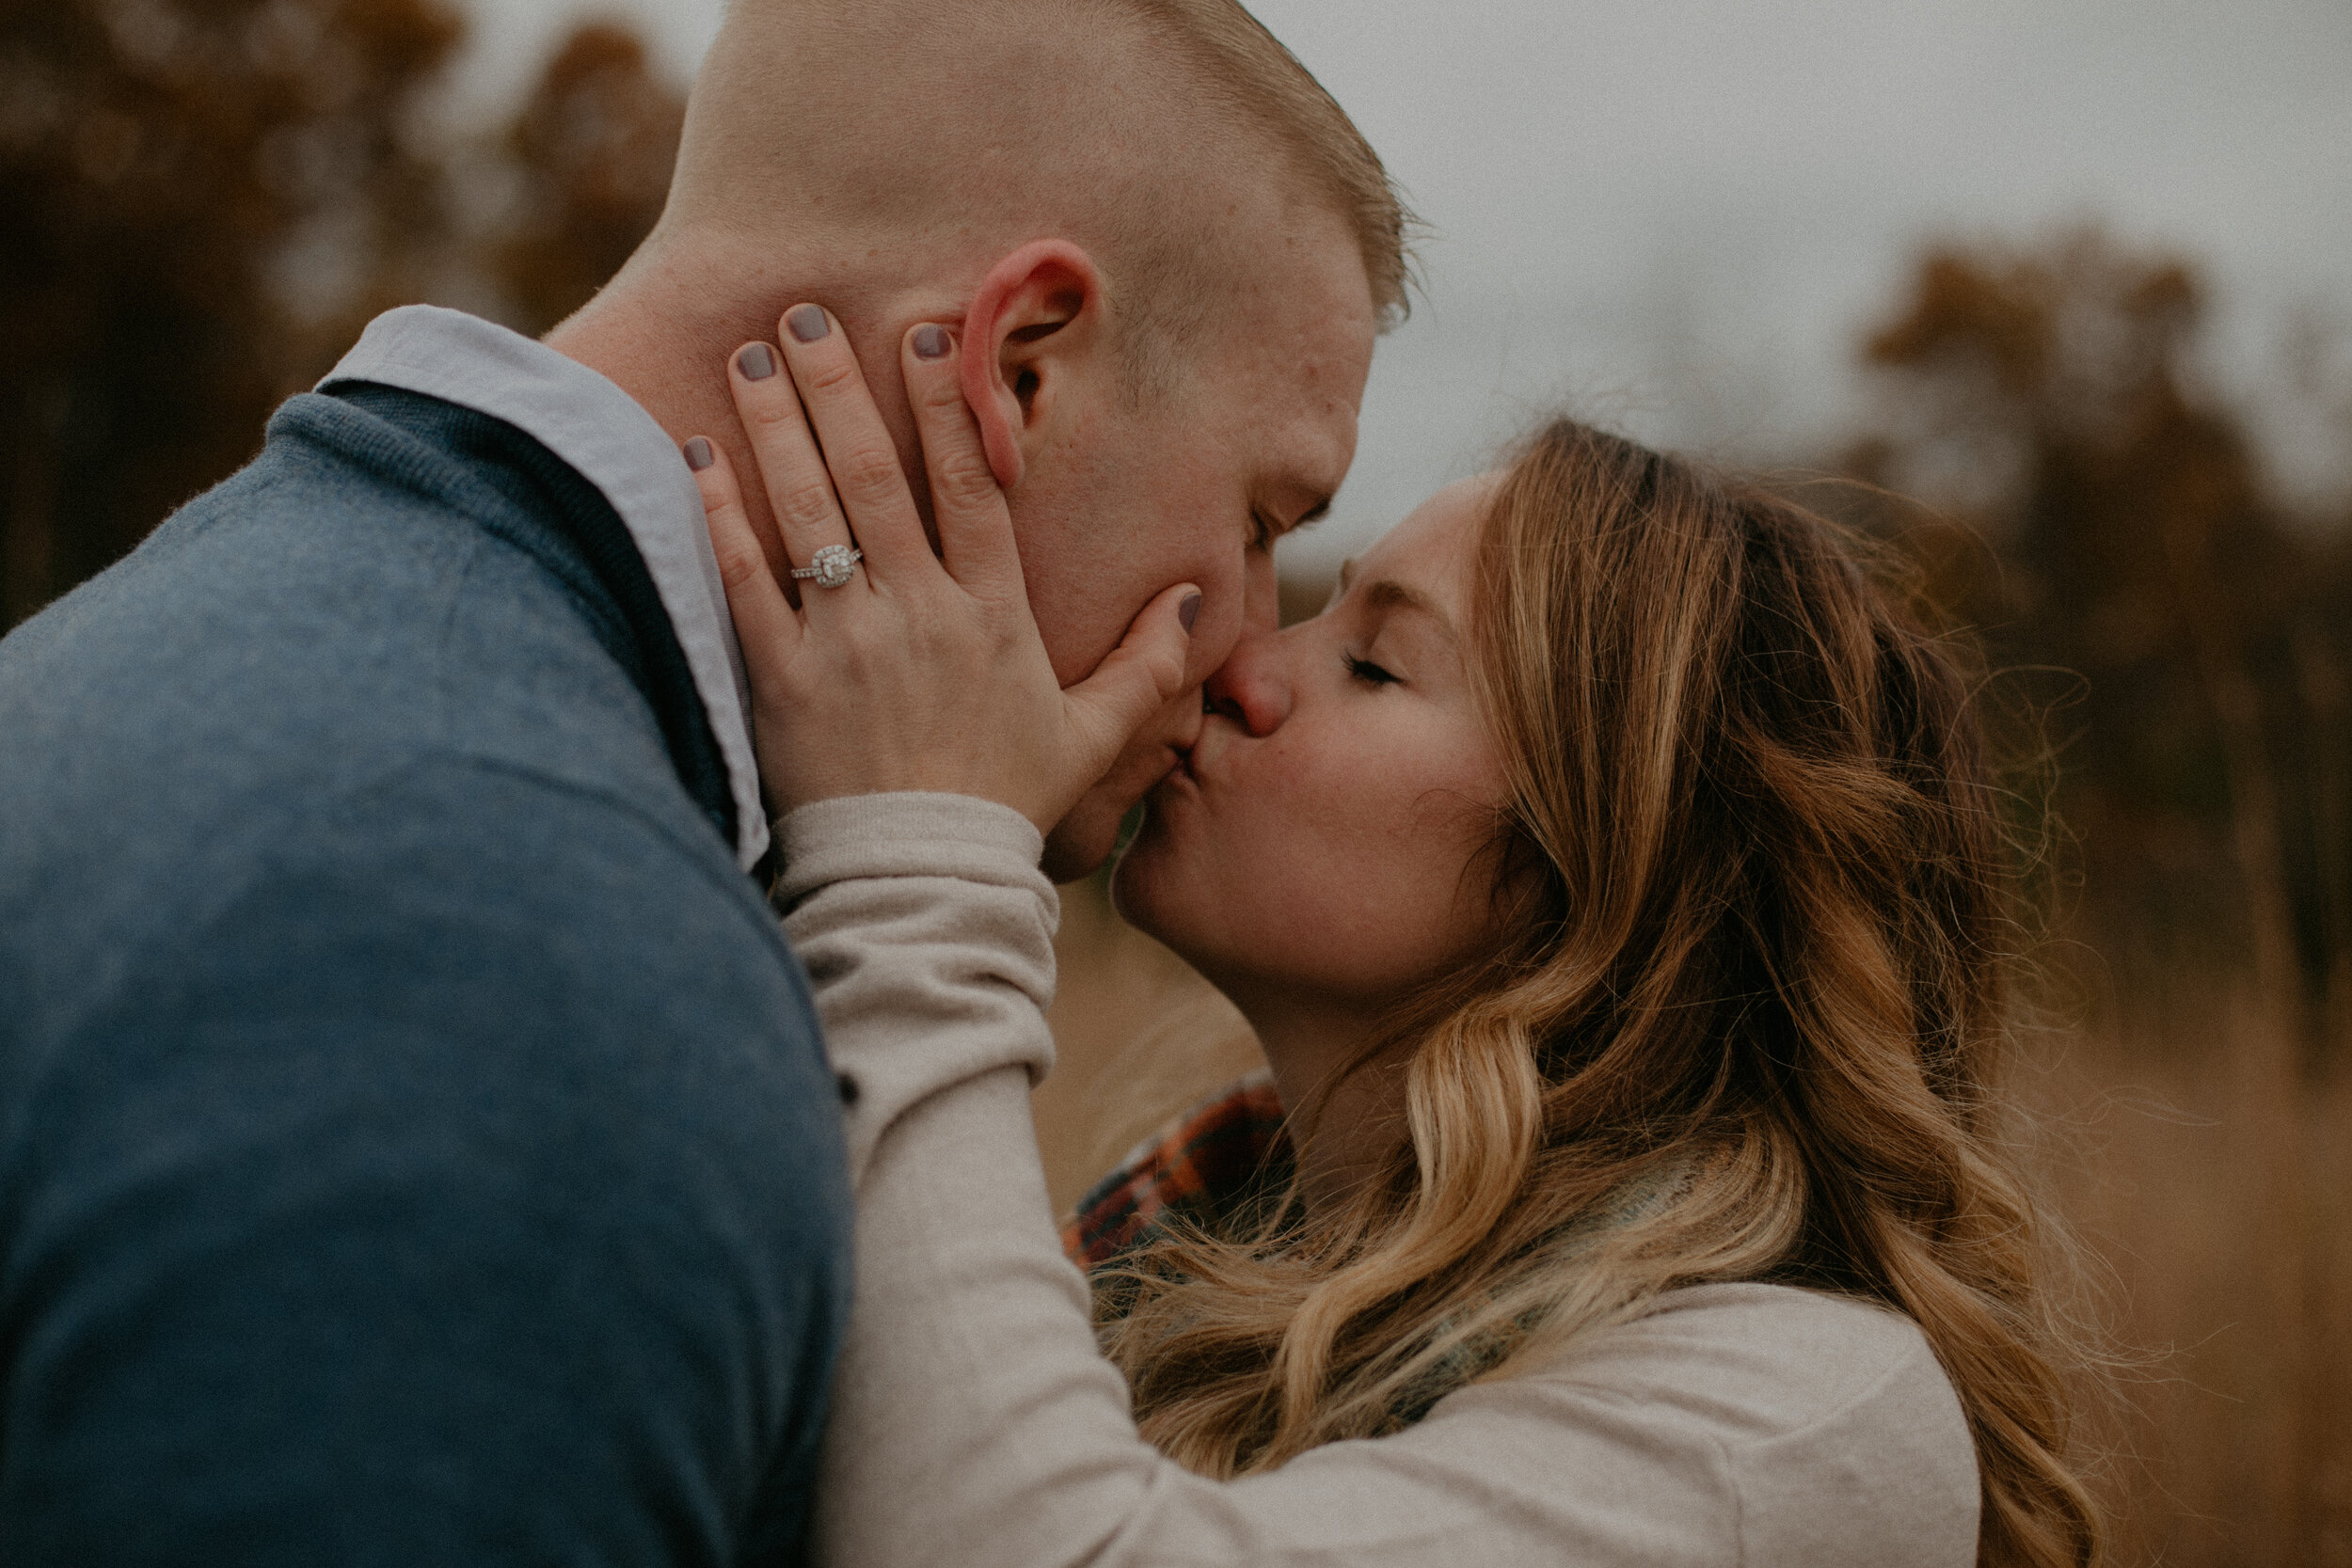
(758, 361)
(931, 342)
(807, 322)
(1190, 610)
(698, 454)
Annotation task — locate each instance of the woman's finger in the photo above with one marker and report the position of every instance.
(975, 525)
(859, 452)
(766, 624)
(1144, 674)
(792, 471)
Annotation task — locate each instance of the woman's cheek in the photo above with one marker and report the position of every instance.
(1359, 894)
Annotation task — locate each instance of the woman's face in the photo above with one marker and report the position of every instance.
(1316, 846)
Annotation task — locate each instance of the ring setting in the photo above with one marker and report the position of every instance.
(831, 566)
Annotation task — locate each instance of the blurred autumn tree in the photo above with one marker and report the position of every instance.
(594, 146)
(206, 199)
(2108, 525)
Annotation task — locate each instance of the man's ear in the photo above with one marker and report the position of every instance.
(1032, 311)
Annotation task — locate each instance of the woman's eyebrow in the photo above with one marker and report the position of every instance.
(1388, 594)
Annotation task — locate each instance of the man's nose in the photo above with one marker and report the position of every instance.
(1178, 725)
(1252, 687)
(1236, 608)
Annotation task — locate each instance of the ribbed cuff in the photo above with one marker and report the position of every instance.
(912, 833)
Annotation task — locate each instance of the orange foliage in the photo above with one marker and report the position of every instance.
(594, 145)
(2109, 529)
(157, 163)
(207, 198)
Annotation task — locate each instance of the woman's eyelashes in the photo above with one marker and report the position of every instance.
(1366, 671)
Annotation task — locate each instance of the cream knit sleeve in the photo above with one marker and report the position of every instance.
(974, 1423)
(928, 933)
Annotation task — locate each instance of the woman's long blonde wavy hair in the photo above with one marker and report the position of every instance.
(1751, 983)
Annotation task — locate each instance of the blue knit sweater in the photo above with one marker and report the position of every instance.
(416, 1146)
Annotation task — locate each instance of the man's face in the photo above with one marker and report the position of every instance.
(1194, 484)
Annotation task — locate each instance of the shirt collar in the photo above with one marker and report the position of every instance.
(606, 436)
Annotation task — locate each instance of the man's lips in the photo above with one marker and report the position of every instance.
(1183, 772)
(1175, 772)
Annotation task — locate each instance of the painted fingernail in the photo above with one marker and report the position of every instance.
(807, 322)
(698, 454)
(758, 361)
(1189, 611)
(931, 342)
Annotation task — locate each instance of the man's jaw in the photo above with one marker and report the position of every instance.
(1085, 838)
(1082, 840)
(1087, 834)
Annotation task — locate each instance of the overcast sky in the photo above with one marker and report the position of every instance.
(1679, 215)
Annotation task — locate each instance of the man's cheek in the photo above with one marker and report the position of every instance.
(1080, 613)
(1214, 635)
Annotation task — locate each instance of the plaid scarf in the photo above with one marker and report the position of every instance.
(1230, 1152)
(1201, 1167)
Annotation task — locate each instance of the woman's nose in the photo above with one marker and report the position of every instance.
(1252, 686)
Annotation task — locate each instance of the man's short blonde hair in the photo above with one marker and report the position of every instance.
(1163, 134)
(1250, 80)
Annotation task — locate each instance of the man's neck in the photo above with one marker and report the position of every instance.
(663, 329)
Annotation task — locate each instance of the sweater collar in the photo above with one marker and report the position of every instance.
(610, 439)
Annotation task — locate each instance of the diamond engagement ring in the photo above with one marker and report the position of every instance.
(831, 566)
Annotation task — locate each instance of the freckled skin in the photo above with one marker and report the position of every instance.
(1313, 858)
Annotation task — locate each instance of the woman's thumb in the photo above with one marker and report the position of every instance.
(1144, 674)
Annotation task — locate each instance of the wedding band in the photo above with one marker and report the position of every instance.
(831, 566)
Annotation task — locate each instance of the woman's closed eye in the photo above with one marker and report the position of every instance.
(1366, 671)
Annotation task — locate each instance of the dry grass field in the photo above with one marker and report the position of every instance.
(2205, 1170)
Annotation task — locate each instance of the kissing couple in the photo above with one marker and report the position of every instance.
(525, 917)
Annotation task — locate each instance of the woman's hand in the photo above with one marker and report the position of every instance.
(920, 671)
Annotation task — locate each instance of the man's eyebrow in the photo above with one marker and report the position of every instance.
(1388, 593)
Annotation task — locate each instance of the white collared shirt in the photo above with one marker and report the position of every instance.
(612, 442)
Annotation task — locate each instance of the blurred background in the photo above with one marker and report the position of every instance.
(2074, 275)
